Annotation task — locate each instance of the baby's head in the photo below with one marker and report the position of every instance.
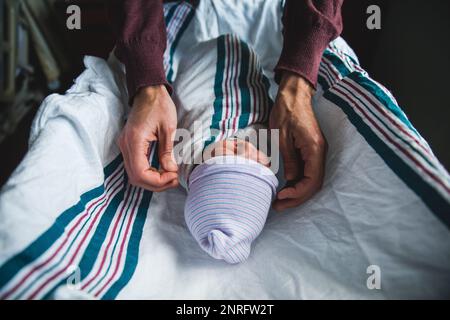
(228, 200)
(236, 147)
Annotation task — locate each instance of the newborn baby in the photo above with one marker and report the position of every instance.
(221, 95)
(228, 201)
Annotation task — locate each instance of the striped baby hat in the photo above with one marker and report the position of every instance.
(228, 200)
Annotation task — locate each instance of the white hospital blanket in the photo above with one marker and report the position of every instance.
(71, 226)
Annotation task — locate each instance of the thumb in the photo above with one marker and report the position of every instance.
(165, 151)
(290, 159)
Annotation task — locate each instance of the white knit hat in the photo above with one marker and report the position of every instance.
(228, 200)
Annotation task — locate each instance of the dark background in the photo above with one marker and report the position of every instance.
(410, 55)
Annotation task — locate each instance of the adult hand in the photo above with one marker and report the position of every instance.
(152, 118)
(302, 144)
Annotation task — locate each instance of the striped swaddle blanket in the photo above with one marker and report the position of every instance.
(228, 197)
(234, 96)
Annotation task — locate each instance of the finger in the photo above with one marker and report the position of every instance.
(172, 184)
(156, 185)
(290, 158)
(312, 177)
(154, 181)
(165, 150)
(280, 205)
(126, 161)
(142, 175)
(301, 191)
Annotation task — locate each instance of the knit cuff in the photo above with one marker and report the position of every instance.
(144, 65)
(307, 32)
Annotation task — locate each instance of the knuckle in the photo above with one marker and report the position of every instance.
(320, 141)
(318, 144)
(170, 128)
(165, 153)
(134, 134)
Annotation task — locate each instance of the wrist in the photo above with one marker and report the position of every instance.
(148, 95)
(295, 84)
(152, 91)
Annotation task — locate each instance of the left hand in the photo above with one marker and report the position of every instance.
(302, 144)
(152, 118)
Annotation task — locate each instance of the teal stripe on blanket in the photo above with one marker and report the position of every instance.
(169, 14)
(218, 89)
(132, 256)
(116, 243)
(177, 40)
(426, 191)
(92, 252)
(95, 244)
(372, 87)
(244, 86)
(98, 239)
(430, 196)
(132, 250)
(57, 264)
(38, 247)
(357, 77)
(337, 63)
(323, 83)
(368, 84)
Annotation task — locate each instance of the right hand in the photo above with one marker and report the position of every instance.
(153, 117)
(302, 144)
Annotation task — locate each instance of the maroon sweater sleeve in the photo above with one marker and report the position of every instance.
(308, 27)
(141, 41)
